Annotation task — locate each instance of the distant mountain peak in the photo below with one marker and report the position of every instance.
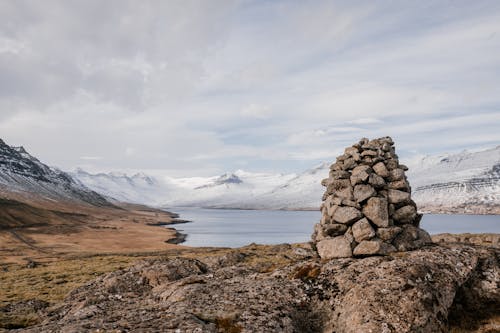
(225, 179)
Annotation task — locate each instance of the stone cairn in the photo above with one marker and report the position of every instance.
(367, 207)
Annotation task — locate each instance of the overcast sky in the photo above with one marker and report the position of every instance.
(203, 87)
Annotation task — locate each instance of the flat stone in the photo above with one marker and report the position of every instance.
(361, 168)
(345, 193)
(349, 164)
(359, 178)
(351, 150)
(363, 192)
(340, 174)
(381, 170)
(351, 203)
(395, 196)
(376, 181)
(338, 184)
(373, 247)
(376, 211)
(411, 238)
(388, 234)
(338, 247)
(404, 215)
(396, 174)
(401, 184)
(334, 229)
(347, 215)
(369, 153)
(362, 230)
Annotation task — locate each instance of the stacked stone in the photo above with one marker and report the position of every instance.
(367, 207)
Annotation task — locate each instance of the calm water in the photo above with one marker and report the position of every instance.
(234, 228)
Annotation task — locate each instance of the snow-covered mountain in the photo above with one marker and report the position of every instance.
(440, 183)
(24, 174)
(139, 188)
(460, 181)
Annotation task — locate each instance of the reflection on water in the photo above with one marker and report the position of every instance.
(234, 228)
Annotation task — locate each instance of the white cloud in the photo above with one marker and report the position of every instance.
(200, 87)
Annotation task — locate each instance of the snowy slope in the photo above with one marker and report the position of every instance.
(447, 181)
(22, 173)
(453, 180)
(139, 188)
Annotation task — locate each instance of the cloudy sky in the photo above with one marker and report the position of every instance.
(203, 87)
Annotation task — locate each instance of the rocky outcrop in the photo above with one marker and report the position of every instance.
(425, 290)
(367, 207)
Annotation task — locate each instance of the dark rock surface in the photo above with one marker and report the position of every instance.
(416, 291)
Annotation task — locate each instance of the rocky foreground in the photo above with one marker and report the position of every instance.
(433, 289)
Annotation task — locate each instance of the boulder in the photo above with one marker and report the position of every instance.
(397, 197)
(406, 214)
(338, 247)
(373, 247)
(376, 181)
(363, 192)
(376, 211)
(411, 238)
(334, 229)
(389, 233)
(362, 230)
(346, 215)
(381, 170)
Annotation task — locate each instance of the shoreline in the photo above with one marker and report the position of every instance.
(426, 211)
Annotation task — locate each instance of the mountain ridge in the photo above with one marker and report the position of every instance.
(453, 181)
(24, 174)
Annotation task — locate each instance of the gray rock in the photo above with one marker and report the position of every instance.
(411, 238)
(401, 184)
(363, 192)
(334, 229)
(391, 164)
(349, 164)
(362, 230)
(351, 150)
(406, 214)
(351, 203)
(338, 247)
(347, 215)
(376, 181)
(376, 211)
(340, 174)
(381, 170)
(369, 153)
(396, 174)
(389, 233)
(395, 196)
(373, 247)
(361, 169)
